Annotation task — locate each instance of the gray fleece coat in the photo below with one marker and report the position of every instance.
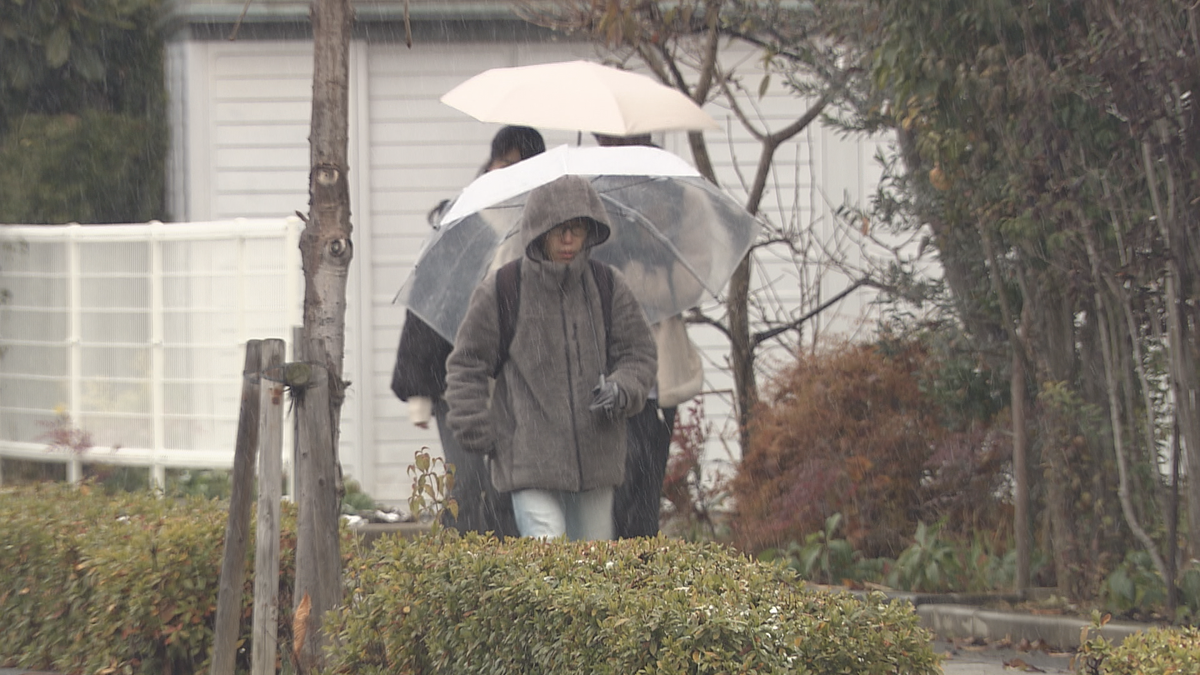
(537, 423)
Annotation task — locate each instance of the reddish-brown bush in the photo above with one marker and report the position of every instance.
(852, 431)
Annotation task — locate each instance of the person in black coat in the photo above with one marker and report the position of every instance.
(419, 378)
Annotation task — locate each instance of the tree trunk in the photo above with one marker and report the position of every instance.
(1182, 363)
(326, 252)
(737, 304)
(319, 581)
(1058, 506)
(1020, 475)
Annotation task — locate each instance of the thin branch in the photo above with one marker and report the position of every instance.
(708, 66)
(763, 336)
(740, 114)
(695, 316)
(238, 24)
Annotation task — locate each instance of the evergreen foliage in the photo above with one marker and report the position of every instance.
(82, 102)
(92, 582)
(1158, 651)
(469, 604)
(128, 583)
(1046, 152)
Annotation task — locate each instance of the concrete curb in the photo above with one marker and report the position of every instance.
(1059, 632)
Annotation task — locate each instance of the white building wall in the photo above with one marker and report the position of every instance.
(245, 154)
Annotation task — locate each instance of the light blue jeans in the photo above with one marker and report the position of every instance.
(582, 516)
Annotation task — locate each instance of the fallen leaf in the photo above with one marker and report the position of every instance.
(1019, 664)
(300, 624)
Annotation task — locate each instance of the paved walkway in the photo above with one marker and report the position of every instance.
(977, 658)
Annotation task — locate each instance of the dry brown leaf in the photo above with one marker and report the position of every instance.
(1019, 664)
(300, 624)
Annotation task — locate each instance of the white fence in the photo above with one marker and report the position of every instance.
(136, 333)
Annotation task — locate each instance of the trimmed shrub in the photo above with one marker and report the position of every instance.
(99, 583)
(856, 430)
(1157, 651)
(448, 604)
(842, 432)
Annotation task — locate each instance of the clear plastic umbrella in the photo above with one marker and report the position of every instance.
(675, 236)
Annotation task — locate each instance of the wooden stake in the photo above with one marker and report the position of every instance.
(233, 562)
(264, 650)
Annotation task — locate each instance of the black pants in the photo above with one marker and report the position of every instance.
(637, 501)
(481, 508)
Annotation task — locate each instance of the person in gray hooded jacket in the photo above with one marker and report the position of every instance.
(554, 426)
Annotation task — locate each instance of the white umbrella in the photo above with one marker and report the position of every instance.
(577, 96)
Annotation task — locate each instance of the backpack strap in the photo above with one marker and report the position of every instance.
(604, 284)
(508, 303)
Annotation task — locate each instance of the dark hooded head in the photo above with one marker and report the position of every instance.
(559, 201)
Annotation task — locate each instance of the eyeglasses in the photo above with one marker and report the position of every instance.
(576, 229)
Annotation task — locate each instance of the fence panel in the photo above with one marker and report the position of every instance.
(135, 334)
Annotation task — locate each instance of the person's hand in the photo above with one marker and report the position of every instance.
(420, 410)
(609, 398)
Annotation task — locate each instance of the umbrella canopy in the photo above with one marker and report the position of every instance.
(675, 237)
(577, 96)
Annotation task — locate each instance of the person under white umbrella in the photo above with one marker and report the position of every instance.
(637, 502)
(419, 377)
(619, 108)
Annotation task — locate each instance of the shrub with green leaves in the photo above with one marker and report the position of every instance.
(826, 559)
(930, 564)
(1134, 586)
(94, 167)
(446, 603)
(92, 582)
(1157, 651)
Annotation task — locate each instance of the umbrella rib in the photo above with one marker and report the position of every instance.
(654, 232)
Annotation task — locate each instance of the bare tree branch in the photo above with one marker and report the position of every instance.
(762, 336)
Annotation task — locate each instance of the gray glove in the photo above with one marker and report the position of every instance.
(608, 397)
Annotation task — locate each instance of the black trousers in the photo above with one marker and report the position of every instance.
(481, 508)
(637, 501)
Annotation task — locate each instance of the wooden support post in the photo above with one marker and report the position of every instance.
(298, 356)
(233, 564)
(265, 648)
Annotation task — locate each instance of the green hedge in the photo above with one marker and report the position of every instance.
(449, 604)
(127, 583)
(124, 583)
(96, 167)
(1157, 651)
